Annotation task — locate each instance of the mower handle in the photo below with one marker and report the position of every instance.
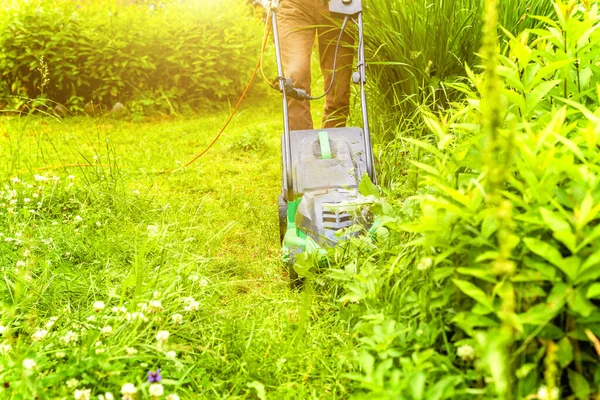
(348, 8)
(288, 193)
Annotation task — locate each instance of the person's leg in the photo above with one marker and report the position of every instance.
(297, 42)
(337, 105)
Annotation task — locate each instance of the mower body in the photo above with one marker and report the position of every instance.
(326, 169)
(322, 169)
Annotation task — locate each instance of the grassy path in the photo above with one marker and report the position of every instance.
(208, 233)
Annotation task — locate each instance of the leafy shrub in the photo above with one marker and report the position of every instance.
(104, 52)
(485, 282)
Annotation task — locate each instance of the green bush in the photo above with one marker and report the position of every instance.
(104, 52)
(485, 282)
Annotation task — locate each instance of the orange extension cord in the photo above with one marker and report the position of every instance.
(259, 65)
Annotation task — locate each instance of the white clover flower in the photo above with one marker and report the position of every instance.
(177, 319)
(15, 180)
(29, 364)
(91, 318)
(3, 329)
(156, 294)
(425, 264)
(50, 322)
(203, 283)
(131, 351)
(106, 396)
(39, 335)
(20, 264)
(5, 348)
(544, 394)
(26, 200)
(119, 310)
(77, 219)
(40, 178)
(136, 192)
(466, 352)
(193, 278)
(135, 316)
(72, 383)
(98, 223)
(155, 306)
(142, 306)
(83, 394)
(107, 330)
(192, 305)
(60, 354)
(128, 390)
(173, 396)
(156, 390)
(162, 336)
(153, 231)
(26, 253)
(171, 355)
(69, 337)
(99, 306)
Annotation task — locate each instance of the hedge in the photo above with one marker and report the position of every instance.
(73, 52)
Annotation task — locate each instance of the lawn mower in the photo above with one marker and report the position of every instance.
(322, 169)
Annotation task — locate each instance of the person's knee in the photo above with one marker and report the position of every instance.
(300, 76)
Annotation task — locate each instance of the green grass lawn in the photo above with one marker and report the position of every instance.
(199, 245)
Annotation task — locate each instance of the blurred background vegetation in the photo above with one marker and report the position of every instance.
(167, 55)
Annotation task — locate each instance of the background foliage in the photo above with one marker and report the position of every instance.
(72, 53)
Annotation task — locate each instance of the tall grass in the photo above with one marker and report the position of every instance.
(417, 45)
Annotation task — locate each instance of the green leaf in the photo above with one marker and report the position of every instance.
(579, 385)
(442, 273)
(554, 221)
(580, 304)
(489, 225)
(541, 314)
(475, 293)
(260, 389)
(443, 389)
(417, 385)
(593, 291)
(367, 187)
(564, 352)
(367, 362)
(468, 322)
(483, 274)
(550, 254)
(525, 370)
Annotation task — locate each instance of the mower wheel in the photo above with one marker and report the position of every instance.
(282, 217)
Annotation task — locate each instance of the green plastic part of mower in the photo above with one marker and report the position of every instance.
(294, 238)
